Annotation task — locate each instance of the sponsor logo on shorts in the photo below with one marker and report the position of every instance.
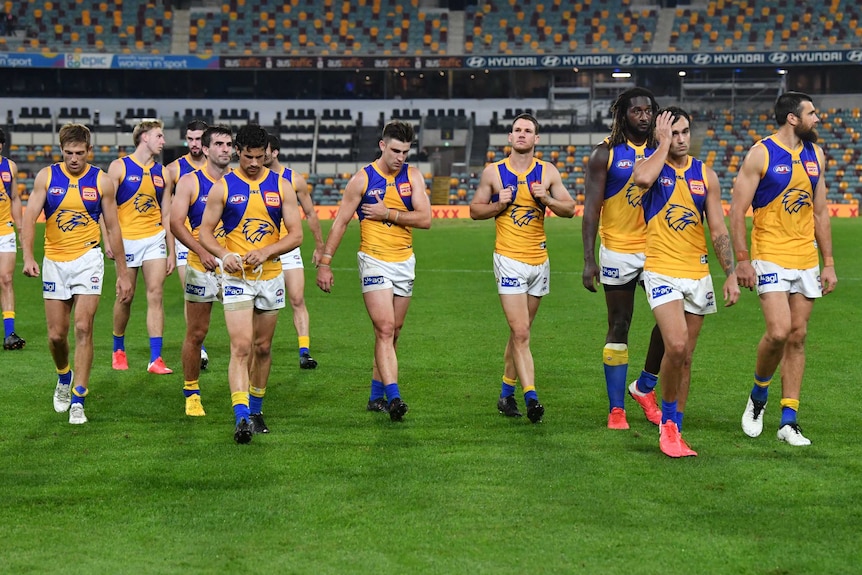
(57, 191)
(610, 272)
(49, 287)
(272, 199)
(510, 282)
(279, 300)
(279, 293)
(767, 279)
(7, 176)
(405, 189)
(373, 281)
(710, 296)
(781, 169)
(134, 178)
(811, 169)
(89, 194)
(130, 258)
(158, 181)
(195, 290)
(661, 291)
(95, 279)
(232, 290)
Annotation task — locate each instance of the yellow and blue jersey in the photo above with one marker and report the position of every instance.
(73, 206)
(623, 228)
(384, 240)
(195, 215)
(521, 226)
(783, 203)
(287, 174)
(185, 167)
(5, 197)
(139, 198)
(252, 217)
(674, 214)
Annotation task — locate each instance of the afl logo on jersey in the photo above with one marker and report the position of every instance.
(238, 199)
(89, 194)
(812, 169)
(781, 169)
(57, 191)
(697, 187)
(625, 164)
(666, 182)
(272, 199)
(375, 193)
(158, 181)
(405, 189)
(134, 179)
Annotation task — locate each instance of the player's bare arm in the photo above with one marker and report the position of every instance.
(419, 217)
(482, 208)
(746, 184)
(594, 198)
(180, 203)
(14, 197)
(300, 186)
(35, 204)
(166, 224)
(209, 221)
(823, 231)
(114, 236)
(293, 224)
(720, 237)
(647, 170)
(349, 203)
(553, 194)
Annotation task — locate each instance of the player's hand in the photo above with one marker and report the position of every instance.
(109, 253)
(208, 261)
(828, 279)
(540, 192)
(31, 269)
(731, 290)
(232, 263)
(325, 279)
(255, 258)
(745, 275)
(663, 127)
(315, 256)
(124, 288)
(376, 211)
(590, 276)
(171, 265)
(507, 195)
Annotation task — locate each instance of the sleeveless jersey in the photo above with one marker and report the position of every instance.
(384, 240)
(73, 206)
(139, 198)
(783, 231)
(521, 226)
(185, 167)
(673, 209)
(5, 197)
(287, 174)
(623, 228)
(252, 217)
(196, 213)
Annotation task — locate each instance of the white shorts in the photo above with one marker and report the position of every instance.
(292, 260)
(181, 251)
(698, 295)
(8, 244)
(515, 277)
(377, 275)
(772, 277)
(619, 268)
(266, 295)
(202, 287)
(81, 276)
(151, 248)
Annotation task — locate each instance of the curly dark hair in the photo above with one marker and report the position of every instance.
(250, 137)
(620, 108)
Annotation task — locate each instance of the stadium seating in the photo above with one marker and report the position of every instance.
(537, 26)
(122, 26)
(303, 27)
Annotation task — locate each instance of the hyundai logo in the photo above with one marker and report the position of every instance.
(551, 61)
(701, 59)
(626, 59)
(779, 57)
(475, 62)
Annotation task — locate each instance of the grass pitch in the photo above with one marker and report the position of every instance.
(456, 488)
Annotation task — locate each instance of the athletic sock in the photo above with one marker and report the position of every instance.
(789, 407)
(760, 391)
(239, 400)
(155, 348)
(646, 382)
(255, 399)
(8, 322)
(668, 411)
(678, 420)
(304, 342)
(79, 393)
(119, 342)
(616, 361)
(64, 375)
(392, 391)
(191, 388)
(507, 388)
(530, 394)
(377, 390)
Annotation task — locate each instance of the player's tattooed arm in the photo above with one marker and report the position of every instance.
(724, 253)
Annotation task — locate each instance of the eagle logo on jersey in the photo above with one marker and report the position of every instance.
(255, 229)
(634, 195)
(523, 215)
(144, 203)
(219, 232)
(680, 217)
(68, 220)
(795, 199)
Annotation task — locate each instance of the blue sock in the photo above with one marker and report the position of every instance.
(647, 382)
(78, 394)
(788, 416)
(391, 391)
(760, 392)
(155, 348)
(678, 420)
(377, 390)
(615, 380)
(203, 348)
(506, 390)
(240, 411)
(8, 325)
(255, 404)
(303, 350)
(119, 342)
(530, 396)
(65, 378)
(668, 411)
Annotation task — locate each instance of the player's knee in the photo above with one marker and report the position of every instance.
(619, 328)
(520, 335)
(6, 280)
(675, 351)
(384, 329)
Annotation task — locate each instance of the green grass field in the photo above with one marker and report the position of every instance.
(456, 488)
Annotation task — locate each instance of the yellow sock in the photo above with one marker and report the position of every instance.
(239, 398)
(791, 403)
(509, 380)
(304, 341)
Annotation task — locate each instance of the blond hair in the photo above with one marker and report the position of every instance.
(143, 127)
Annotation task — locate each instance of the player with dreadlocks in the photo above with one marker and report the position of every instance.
(611, 194)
